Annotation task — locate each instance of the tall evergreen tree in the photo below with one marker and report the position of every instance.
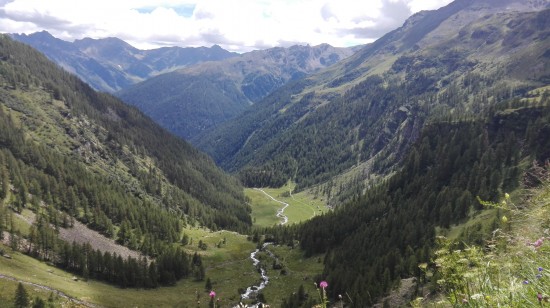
(21, 296)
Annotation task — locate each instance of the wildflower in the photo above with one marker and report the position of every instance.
(538, 242)
(323, 284)
(212, 294)
(504, 219)
(464, 300)
(539, 297)
(526, 282)
(539, 276)
(540, 269)
(506, 196)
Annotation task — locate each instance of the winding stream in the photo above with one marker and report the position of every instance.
(264, 280)
(252, 291)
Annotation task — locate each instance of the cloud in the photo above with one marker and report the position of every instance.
(239, 25)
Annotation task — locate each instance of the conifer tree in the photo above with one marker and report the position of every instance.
(21, 296)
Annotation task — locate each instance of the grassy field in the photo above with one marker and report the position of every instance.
(302, 206)
(297, 271)
(228, 267)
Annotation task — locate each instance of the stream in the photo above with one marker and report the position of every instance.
(252, 291)
(280, 212)
(264, 280)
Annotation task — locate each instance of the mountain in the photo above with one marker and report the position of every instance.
(195, 99)
(111, 64)
(358, 117)
(102, 162)
(438, 124)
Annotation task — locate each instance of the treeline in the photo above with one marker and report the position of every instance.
(196, 186)
(169, 267)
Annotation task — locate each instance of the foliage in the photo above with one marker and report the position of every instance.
(510, 270)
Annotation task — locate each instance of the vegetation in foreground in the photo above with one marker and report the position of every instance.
(510, 268)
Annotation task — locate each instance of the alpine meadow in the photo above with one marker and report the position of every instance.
(413, 171)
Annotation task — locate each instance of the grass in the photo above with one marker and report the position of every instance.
(228, 267)
(7, 294)
(302, 206)
(299, 271)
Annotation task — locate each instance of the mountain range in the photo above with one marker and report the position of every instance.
(111, 64)
(186, 90)
(359, 116)
(197, 98)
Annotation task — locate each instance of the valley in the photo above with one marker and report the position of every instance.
(227, 261)
(397, 173)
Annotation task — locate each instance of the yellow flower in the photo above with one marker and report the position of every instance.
(504, 219)
(506, 196)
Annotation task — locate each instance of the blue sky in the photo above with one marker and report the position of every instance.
(236, 25)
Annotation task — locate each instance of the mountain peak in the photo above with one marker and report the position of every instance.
(111, 64)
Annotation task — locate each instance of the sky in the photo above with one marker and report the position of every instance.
(235, 25)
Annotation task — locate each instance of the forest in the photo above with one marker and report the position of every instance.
(371, 243)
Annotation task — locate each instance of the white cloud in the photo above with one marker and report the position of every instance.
(240, 25)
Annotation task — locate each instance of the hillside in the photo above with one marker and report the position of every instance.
(100, 161)
(198, 98)
(364, 112)
(111, 64)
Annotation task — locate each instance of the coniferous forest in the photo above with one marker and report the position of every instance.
(113, 170)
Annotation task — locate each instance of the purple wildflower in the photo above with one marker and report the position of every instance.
(540, 269)
(539, 297)
(212, 294)
(538, 242)
(323, 284)
(526, 282)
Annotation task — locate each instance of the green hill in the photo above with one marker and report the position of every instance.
(68, 147)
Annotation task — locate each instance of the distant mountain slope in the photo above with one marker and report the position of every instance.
(195, 99)
(363, 112)
(111, 64)
(101, 161)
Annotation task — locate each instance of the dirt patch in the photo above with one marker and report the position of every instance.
(402, 296)
(81, 234)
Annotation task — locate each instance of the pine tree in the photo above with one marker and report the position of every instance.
(21, 296)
